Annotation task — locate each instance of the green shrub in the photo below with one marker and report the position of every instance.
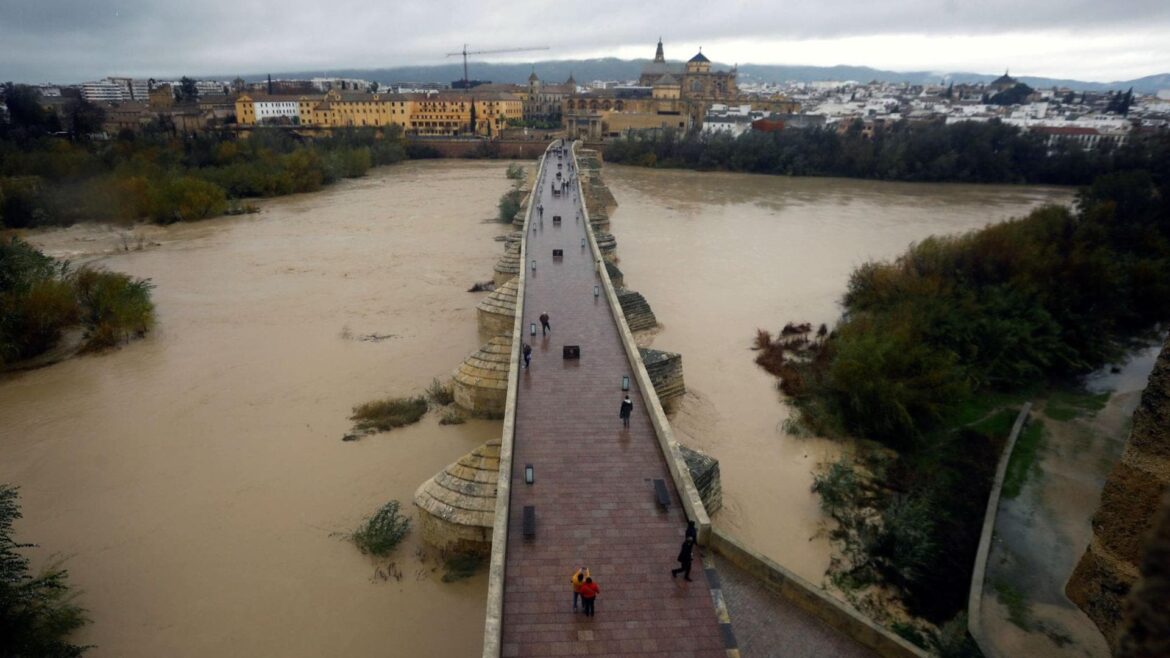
(38, 613)
(509, 205)
(515, 172)
(382, 532)
(37, 301)
(187, 198)
(440, 394)
(114, 307)
(385, 415)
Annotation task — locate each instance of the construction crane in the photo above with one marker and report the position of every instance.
(465, 52)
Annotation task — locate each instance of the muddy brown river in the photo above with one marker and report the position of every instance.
(720, 255)
(196, 481)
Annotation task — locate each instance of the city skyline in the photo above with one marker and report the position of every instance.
(68, 41)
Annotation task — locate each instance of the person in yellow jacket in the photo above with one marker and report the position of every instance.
(577, 580)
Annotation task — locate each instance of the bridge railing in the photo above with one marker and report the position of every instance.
(691, 500)
(493, 621)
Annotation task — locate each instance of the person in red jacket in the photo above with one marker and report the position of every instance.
(589, 592)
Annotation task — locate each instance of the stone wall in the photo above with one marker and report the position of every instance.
(615, 275)
(666, 372)
(1129, 502)
(496, 313)
(508, 267)
(836, 614)
(481, 381)
(705, 472)
(456, 508)
(637, 310)
(462, 148)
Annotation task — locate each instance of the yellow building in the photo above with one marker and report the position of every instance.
(339, 109)
(450, 114)
(442, 114)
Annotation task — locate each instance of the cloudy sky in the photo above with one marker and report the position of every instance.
(74, 40)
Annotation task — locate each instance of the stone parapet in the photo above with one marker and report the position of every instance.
(798, 591)
(637, 310)
(607, 244)
(481, 381)
(496, 313)
(705, 472)
(615, 275)
(508, 267)
(456, 507)
(666, 372)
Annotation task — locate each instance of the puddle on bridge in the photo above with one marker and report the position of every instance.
(720, 255)
(195, 479)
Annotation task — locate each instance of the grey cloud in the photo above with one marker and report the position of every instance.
(69, 40)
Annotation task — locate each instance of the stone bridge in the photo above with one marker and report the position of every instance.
(592, 491)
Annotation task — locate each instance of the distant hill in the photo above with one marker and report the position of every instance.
(609, 68)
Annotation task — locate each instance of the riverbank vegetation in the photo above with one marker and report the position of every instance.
(965, 152)
(42, 298)
(162, 176)
(38, 612)
(936, 349)
(385, 415)
(381, 533)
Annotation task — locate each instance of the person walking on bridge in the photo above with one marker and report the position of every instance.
(577, 580)
(684, 558)
(527, 351)
(624, 412)
(589, 592)
(545, 327)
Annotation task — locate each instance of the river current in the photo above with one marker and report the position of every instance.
(195, 481)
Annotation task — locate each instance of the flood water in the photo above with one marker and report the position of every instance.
(196, 480)
(719, 255)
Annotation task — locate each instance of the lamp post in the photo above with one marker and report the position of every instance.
(625, 382)
(596, 291)
(533, 264)
(529, 474)
(532, 328)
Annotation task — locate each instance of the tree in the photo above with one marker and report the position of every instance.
(83, 118)
(37, 613)
(24, 107)
(186, 91)
(374, 87)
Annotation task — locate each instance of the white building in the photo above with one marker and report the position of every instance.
(209, 87)
(267, 109)
(733, 119)
(340, 84)
(103, 91)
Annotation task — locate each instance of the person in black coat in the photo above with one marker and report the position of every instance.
(684, 558)
(624, 412)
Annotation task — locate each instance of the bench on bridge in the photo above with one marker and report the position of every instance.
(556, 220)
(529, 523)
(661, 494)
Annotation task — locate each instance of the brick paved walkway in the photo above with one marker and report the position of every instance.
(768, 626)
(593, 489)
